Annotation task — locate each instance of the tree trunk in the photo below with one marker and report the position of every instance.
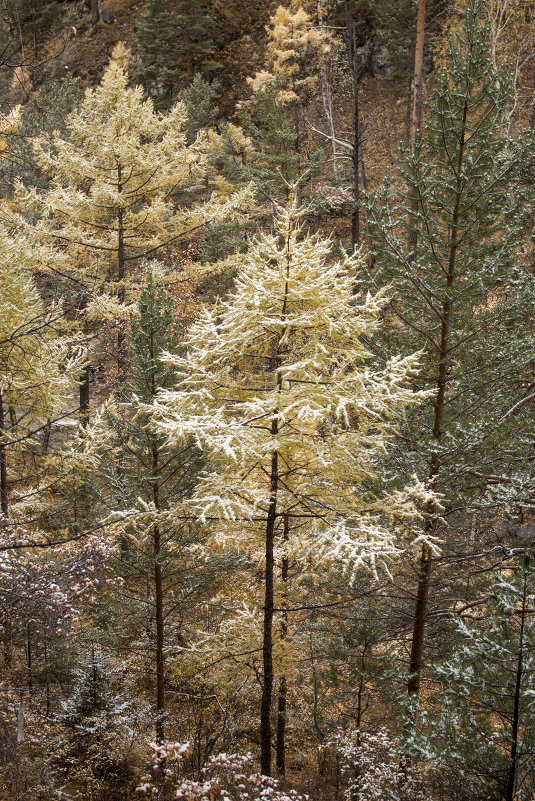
(420, 615)
(4, 506)
(355, 220)
(357, 70)
(95, 13)
(532, 111)
(84, 391)
(84, 396)
(356, 75)
(158, 579)
(158, 602)
(121, 273)
(417, 102)
(20, 719)
(418, 83)
(424, 578)
(47, 682)
(513, 756)
(326, 97)
(46, 438)
(29, 658)
(271, 519)
(267, 646)
(283, 684)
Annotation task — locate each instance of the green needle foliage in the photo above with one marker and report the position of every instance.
(450, 266)
(173, 46)
(480, 731)
(145, 476)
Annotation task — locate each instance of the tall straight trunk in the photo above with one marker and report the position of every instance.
(532, 111)
(419, 620)
(47, 682)
(295, 108)
(267, 645)
(425, 569)
(513, 754)
(418, 81)
(355, 159)
(160, 663)
(20, 718)
(356, 75)
(158, 579)
(84, 390)
(158, 602)
(29, 656)
(417, 102)
(326, 97)
(271, 519)
(4, 506)
(283, 683)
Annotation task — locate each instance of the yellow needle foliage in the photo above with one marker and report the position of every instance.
(293, 39)
(38, 370)
(280, 368)
(123, 185)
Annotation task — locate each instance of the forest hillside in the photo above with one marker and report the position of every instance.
(267, 489)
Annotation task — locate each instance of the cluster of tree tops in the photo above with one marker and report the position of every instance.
(266, 465)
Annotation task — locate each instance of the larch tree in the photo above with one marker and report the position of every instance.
(37, 371)
(294, 44)
(123, 185)
(277, 391)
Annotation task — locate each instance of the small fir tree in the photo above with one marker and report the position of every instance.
(90, 752)
(480, 736)
(272, 161)
(142, 477)
(201, 112)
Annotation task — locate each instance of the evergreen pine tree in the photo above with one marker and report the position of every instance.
(272, 162)
(200, 111)
(174, 42)
(90, 752)
(452, 285)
